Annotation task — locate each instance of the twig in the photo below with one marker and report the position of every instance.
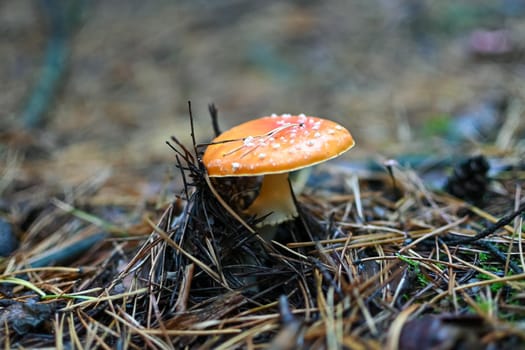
(214, 114)
(489, 229)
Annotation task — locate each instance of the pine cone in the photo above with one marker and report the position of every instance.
(469, 180)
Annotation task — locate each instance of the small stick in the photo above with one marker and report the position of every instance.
(192, 129)
(214, 114)
(389, 165)
(490, 229)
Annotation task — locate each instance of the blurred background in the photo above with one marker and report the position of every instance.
(98, 86)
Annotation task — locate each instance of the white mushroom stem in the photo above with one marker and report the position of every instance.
(274, 197)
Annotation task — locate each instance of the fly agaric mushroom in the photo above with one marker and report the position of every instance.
(272, 147)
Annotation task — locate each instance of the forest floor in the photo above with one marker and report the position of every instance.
(413, 239)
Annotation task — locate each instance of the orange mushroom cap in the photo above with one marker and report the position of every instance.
(275, 144)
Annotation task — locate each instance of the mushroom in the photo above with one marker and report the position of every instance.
(273, 147)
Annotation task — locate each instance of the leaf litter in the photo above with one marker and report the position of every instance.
(376, 259)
